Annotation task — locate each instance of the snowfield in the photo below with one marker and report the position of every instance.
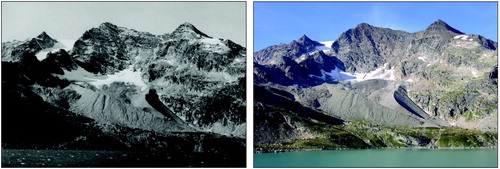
(335, 74)
(380, 73)
(65, 44)
(127, 76)
(463, 37)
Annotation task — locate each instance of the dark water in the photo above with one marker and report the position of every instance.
(381, 158)
(99, 158)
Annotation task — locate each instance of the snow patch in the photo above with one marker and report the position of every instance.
(79, 74)
(326, 46)
(127, 75)
(422, 58)
(214, 45)
(335, 74)
(301, 58)
(327, 43)
(221, 76)
(474, 73)
(380, 73)
(61, 44)
(463, 37)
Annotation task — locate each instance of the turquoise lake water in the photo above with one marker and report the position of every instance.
(381, 158)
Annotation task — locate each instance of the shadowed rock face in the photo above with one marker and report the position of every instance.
(277, 117)
(128, 89)
(275, 54)
(15, 51)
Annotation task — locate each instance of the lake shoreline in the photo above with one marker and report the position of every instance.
(322, 149)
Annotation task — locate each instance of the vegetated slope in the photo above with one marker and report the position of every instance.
(121, 89)
(438, 78)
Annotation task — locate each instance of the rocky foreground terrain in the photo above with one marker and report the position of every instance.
(118, 89)
(377, 87)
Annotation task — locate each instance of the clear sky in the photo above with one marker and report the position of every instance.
(69, 20)
(282, 22)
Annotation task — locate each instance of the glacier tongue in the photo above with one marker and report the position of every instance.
(127, 75)
(335, 74)
(380, 73)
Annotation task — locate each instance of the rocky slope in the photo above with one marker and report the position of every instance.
(180, 91)
(14, 51)
(439, 78)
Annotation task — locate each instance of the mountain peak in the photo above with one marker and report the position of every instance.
(187, 25)
(304, 38)
(188, 28)
(108, 25)
(43, 35)
(441, 25)
(363, 26)
(45, 38)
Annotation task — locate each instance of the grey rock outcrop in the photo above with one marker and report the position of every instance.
(275, 54)
(16, 50)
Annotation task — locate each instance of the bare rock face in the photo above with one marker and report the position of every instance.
(107, 49)
(365, 48)
(16, 50)
(275, 54)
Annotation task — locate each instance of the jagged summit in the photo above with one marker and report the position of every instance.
(304, 38)
(440, 25)
(44, 37)
(107, 25)
(363, 26)
(189, 30)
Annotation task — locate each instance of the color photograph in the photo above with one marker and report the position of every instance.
(375, 84)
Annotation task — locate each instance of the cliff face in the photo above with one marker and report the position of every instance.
(14, 51)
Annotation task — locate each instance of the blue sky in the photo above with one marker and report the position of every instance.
(282, 22)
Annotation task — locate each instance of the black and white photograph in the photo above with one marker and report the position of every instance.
(123, 84)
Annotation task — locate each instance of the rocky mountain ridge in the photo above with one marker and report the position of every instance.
(177, 86)
(439, 77)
